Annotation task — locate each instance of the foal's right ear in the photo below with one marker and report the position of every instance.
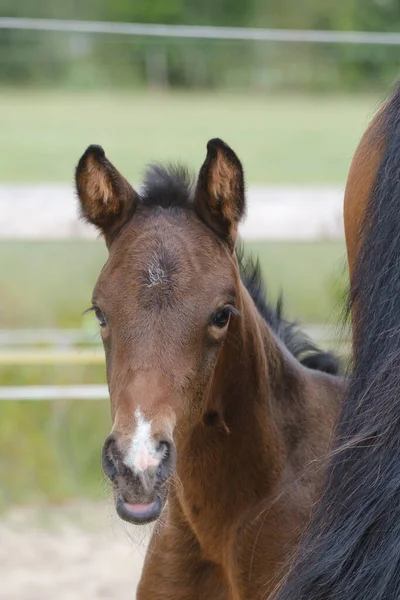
(106, 199)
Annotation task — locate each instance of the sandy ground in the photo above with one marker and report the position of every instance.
(79, 552)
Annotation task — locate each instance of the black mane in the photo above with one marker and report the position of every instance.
(296, 341)
(352, 550)
(172, 186)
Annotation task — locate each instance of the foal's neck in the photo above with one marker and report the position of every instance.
(265, 418)
(248, 372)
(238, 440)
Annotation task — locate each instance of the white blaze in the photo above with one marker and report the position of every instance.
(142, 452)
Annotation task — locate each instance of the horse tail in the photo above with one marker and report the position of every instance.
(352, 548)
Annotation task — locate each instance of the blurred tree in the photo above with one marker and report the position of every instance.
(34, 57)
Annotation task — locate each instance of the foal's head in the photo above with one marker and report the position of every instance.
(165, 300)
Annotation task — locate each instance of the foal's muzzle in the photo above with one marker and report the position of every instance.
(140, 493)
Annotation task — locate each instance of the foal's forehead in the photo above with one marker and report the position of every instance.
(165, 238)
(169, 250)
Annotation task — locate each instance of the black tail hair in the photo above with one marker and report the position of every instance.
(352, 549)
(296, 341)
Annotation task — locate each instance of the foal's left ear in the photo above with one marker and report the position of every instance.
(220, 194)
(106, 198)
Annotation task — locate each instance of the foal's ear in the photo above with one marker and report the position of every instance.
(106, 198)
(220, 195)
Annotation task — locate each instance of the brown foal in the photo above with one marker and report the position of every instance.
(218, 428)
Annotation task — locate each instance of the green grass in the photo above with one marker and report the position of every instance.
(50, 451)
(280, 138)
(47, 284)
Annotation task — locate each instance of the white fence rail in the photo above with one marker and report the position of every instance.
(52, 337)
(274, 212)
(217, 33)
(54, 392)
(31, 354)
(75, 347)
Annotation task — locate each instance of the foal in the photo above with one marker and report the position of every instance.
(208, 403)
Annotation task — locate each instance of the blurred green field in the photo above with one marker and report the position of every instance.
(51, 451)
(280, 138)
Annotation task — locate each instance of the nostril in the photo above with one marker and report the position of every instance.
(107, 458)
(167, 464)
(164, 448)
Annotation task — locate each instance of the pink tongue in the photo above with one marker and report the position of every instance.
(139, 508)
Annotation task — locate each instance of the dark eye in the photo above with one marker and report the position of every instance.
(100, 317)
(221, 317)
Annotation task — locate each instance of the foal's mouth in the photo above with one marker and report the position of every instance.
(140, 490)
(139, 514)
(141, 508)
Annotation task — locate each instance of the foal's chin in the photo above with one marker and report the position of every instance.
(139, 514)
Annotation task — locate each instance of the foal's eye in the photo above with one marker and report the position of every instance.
(220, 318)
(99, 316)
